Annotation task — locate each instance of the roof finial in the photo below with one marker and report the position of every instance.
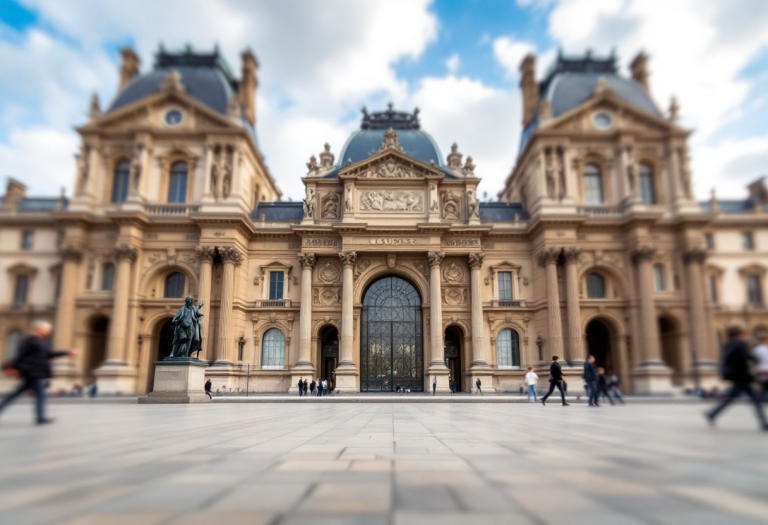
(390, 107)
(673, 109)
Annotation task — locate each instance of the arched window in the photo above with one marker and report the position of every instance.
(120, 182)
(177, 184)
(12, 345)
(595, 286)
(273, 350)
(107, 277)
(647, 189)
(174, 285)
(593, 184)
(508, 349)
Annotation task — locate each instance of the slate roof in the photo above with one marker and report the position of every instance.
(206, 77)
(571, 82)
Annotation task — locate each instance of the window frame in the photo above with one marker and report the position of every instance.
(603, 284)
(276, 277)
(105, 274)
(513, 349)
(659, 277)
(180, 192)
(597, 175)
(7, 356)
(121, 185)
(27, 240)
(758, 291)
(747, 241)
(22, 277)
(645, 172)
(506, 293)
(166, 287)
(270, 353)
(709, 241)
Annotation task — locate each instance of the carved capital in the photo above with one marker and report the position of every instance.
(476, 260)
(232, 255)
(572, 255)
(70, 253)
(205, 253)
(641, 254)
(435, 258)
(548, 256)
(126, 252)
(307, 260)
(348, 259)
(695, 255)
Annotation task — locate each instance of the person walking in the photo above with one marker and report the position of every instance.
(614, 386)
(555, 380)
(312, 387)
(761, 354)
(33, 365)
(735, 368)
(208, 389)
(590, 376)
(306, 388)
(325, 387)
(602, 386)
(434, 385)
(300, 385)
(530, 380)
(479, 385)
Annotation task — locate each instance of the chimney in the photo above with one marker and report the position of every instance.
(13, 193)
(130, 66)
(248, 85)
(639, 68)
(529, 88)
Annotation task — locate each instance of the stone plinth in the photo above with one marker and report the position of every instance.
(653, 379)
(116, 377)
(180, 380)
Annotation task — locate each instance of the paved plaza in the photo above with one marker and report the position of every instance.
(381, 463)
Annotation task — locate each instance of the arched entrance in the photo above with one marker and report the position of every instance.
(670, 349)
(391, 342)
(163, 338)
(329, 353)
(453, 337)
(97, 347)
(598, 343)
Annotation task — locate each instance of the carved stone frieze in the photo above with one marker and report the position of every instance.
(307, 260)
(361, 267)
(451, 205)
(390, 169)
(421, 267)
(453, 273)
(327, 296)
(331, 205)
(328, 273)
(395, 200)
(455, 296)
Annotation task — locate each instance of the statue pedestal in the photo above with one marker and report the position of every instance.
(178, 380)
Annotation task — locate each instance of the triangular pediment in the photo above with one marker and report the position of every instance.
(390, 164)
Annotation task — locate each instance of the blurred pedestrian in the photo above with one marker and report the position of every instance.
(602, 385)
(555, 380)
(312, 386)
(735, 368)
(306, 387)
(479, 385)
(300, 386)
(434, 385)
(208, 386)
(761, 354)
(530, 380)
(590, 376)
(614, 386)
(33, 366)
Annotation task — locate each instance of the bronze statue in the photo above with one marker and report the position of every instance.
(187, 331)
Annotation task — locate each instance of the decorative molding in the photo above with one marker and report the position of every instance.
(347, 259)
(548, 256)
(328, 273)
(307, 260)
(453, 273)
(327, 296)
(361, 267)
(421, 267)
(331, 205)
(644, 253)
(205, 253)
(231, 254)
(695, 255)
(455, 296)
(390, 169)
(395, 200)
(435, 258)
(572, 255)
(476, 260)
(70, 253)
(126, 252)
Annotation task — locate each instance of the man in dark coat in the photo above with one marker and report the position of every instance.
(735, 368)
(300, 386)
(590, 376)
(208, 389)
(312, 387)
(33, 364)
(555, 380)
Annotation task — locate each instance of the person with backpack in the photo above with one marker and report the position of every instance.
(735, 368)
(555, 380)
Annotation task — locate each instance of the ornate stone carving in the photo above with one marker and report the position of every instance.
(231, 254)
(329, 273)
(215, 180)
(455, 296)
(473, 207)
(421, 267)
(172, 82)
(469, 167)
(327, 296)
(390, 141)
(390, 170)
(348, 199)
(205, 253)
(476, 260)
(695, 255)
(391, 260)
(450, 205)
(548, 256)
(126, 252)
(454, 157)
(331, 205)
(307, 260)
(435, 258)
(70, 253)
(226, 180)
(326, 158)
(309, 204)
(453, 273)
(396, 200)
(644, 253)
(572, 255)
(347, 259)
(312, 165)
(361, 267)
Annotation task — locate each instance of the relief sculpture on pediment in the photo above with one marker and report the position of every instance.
(396, 200)
(390, 170)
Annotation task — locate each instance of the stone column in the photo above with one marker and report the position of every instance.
(547, 259)
(700, 329)
(476, 285)
(65, 308)
(437, 369)
(307, 261)
(651, 375)
(346, 371)
(205, 255)
(575, 350)
(231, 257)
(115, 376)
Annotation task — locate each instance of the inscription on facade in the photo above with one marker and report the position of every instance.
(321, 243)
(391, 241)
(462, 242)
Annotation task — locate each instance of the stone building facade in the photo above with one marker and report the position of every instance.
(391, 272)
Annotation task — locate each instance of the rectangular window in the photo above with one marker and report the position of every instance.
(276, 285)
(20, 290)
(747, 243)
(755, 291)
(593, 189)
(57, 288)
(709, 239)
(713, 288)
(505, 286)
(108, 277)
(658, 278)
(177, 191)
(27, 238)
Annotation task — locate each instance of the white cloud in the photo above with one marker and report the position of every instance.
(453, 64)
(510, 53)
(41, 158)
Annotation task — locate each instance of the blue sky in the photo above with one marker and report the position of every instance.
(322, 61)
